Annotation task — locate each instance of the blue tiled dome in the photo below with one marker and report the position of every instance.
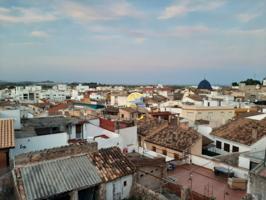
(204, 84)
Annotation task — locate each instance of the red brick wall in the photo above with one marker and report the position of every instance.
(107, 124)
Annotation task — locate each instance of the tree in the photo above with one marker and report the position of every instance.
(251, 81)
(234, 84)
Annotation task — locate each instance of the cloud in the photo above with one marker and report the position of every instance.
(186, 6)
(23, 15)
(246, 17)
(249, 32)
(190, 30)
(39, 34)
(108, 11)
(140, 40)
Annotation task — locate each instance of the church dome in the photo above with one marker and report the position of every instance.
(205, 85)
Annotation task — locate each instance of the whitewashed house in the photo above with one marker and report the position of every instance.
(116, 172)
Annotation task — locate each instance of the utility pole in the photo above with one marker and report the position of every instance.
(264, 162)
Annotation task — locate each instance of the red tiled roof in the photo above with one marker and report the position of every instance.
(112, 164)
(7, 138)
(148, 127)
(243, 130)
(174, 137)
(55, 109)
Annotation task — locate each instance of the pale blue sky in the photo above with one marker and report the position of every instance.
(138, 41)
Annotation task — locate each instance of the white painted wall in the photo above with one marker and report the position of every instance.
(24, 145)
(259, 145)
(129, 138)
(242, 147)
(243, 162)
(96, 122)
(117, 187)
(210, 164)
(205, 130)
(123, 138)
(90, 131)
(110, 142)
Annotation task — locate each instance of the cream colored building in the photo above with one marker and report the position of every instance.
(216, 115)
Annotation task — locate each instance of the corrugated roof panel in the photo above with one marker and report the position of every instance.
(57, 176)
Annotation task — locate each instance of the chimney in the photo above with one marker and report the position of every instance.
(184, 125)
(174, 137)
(254, 133)
(174, 121)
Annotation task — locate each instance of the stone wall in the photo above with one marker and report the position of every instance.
(140, 191)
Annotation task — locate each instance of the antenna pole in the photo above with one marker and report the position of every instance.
(264, 158)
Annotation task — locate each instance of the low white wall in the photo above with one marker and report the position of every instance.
(243, 162)
(110, 142)
(210, 164)
(90, 131)
(25, 145)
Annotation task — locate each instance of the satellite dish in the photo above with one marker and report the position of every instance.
(135, 99)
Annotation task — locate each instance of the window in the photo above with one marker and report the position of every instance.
(153, 148)
(78, 128)
(151, 171)
(218, 144)
(235, 149)
(141, 175)
(122, 115)
(125, 183)
(227, 147)
(164, 152)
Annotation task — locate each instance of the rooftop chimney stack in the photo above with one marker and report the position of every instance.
(254, 133)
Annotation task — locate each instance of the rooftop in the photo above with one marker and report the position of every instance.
(195, 97)
(49, 178)
(204, 182)
(55, 153)
(149, 126)
(112, 164)
(174, 137)
(140, 160)
(129, 109)
(7, 138)
(243, 130)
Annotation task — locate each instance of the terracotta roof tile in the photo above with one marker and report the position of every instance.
(112, 164)
(7, 139)
(174, 137)
(148, 126)
(243, 130)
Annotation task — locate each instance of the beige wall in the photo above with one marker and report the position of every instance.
(123, 114)
(195, 149)
(216, 115)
